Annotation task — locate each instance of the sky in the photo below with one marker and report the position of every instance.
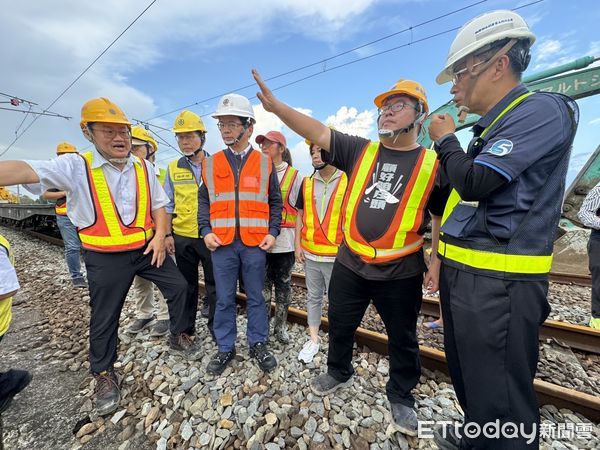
(190, 52)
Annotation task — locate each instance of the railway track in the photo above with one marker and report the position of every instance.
(547, 393)
(581, 338)
(575, 336)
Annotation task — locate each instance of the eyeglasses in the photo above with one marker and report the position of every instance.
(396, 107)
(458, 75)
(111, 133)
(228, 125)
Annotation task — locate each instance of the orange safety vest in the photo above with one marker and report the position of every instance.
(247, 201)
(61, 210)
(322, 237)
(108, 233)
(290, 213)
(402, 237)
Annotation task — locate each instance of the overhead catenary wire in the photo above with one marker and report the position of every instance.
(325, 60)
(147, 123)
(78, 77)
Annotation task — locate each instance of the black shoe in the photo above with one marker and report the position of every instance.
(266, 361)
(11, 383)
(79, 283)
(204, 311)
(160, 328)
(186, 346)
(138, 325)
(219, 363)
(107, 392)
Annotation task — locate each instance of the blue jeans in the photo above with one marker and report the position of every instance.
(227, 261)
(72, 245)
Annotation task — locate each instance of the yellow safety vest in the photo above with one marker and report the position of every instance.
(289, 212)
(402, 236)
(108, 233)
(322, 237)
(6, 304)
(185, 199)
(162, 176)
(481, 258)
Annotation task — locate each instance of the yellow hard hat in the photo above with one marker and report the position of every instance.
(407, 87)
(65, 147)
(307, 142)
(102, 110)
(188, 121)
(139, 132)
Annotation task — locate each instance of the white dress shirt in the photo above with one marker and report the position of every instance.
(68, 173)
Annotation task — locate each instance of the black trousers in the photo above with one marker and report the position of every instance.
(594, 265)
(398, 303)
(279, 274)
(109, 277)
(491, 340)
(189, 253)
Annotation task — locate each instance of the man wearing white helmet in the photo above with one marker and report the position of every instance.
(498, 227)
(239, 216)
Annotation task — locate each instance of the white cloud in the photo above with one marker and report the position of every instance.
(48, 45)
(548, 49)
(595, 121)
(349, 120)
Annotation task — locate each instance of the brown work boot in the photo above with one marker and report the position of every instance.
(107, 392)
(185, 345)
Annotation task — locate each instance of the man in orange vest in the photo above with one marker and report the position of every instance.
(318, 236)
(67, 230)
(392, 186)
(117, 204)
(239, 215)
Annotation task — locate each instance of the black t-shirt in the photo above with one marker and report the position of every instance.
(380, 201)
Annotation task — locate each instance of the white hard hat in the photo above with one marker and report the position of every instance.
(234, 105)
(481, 31)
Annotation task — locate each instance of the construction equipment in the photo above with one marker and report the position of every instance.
(7, 197)
(578, 81)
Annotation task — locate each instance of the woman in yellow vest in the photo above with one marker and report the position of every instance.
(13, 381)
(280, 258)
(318, 236)
(390, 195)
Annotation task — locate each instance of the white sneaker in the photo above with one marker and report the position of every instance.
(309, 351)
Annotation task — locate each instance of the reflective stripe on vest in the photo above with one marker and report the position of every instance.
(185, 200)
(289, 213)
(61, 210)
(402, 236)
(108, 233)
(481, 259)
(6, 304)
(248, 199)
(322, 236)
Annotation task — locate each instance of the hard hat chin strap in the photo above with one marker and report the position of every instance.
(202, 141)
(474, 76)
(384, 133)
(245, 127)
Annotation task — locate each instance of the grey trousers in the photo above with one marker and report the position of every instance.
(317, 275)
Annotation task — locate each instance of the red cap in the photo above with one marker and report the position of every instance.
(274, 136)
